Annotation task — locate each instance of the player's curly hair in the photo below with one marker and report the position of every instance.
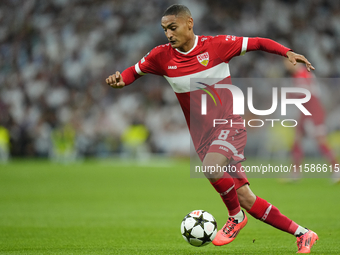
(177, 9)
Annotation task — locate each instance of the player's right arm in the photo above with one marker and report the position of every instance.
(115, 81)
(148, 64)
(119, 80)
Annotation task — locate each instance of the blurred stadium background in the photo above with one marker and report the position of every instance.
(55, 56)
(54, 104)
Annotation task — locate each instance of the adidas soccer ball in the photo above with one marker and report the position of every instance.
(199, 228)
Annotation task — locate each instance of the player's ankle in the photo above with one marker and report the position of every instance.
(300, 231)
(238, 216)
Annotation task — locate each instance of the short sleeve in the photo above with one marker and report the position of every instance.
(229, 46)
(149, 64)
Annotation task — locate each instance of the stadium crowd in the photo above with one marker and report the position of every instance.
(55, 56)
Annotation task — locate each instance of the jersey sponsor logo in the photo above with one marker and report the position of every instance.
(172, 67)
(203, 58)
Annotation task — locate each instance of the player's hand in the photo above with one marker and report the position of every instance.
(294, 58)
(115, 81)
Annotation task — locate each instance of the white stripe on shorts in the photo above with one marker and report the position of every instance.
(228, 145)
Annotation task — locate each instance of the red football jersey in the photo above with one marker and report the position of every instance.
(209, 58)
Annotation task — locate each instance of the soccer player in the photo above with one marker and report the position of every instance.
(313, 125)
(188, 56)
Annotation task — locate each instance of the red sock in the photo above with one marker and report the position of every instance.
(326, 151)
(226, 187)
(268, 213)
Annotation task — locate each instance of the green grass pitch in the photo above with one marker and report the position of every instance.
(116, 207)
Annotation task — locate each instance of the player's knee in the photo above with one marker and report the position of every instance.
(212, 172)
(213, 165)
(213, 176)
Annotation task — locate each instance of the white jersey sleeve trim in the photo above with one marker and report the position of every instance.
(138, 70)
(244, 46)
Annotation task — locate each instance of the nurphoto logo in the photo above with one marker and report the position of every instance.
(239, 102)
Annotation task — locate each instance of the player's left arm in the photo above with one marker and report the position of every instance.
(268, 45)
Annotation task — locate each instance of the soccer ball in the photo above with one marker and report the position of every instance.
(199, 228)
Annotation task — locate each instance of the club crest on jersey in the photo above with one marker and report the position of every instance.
(203, 58)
